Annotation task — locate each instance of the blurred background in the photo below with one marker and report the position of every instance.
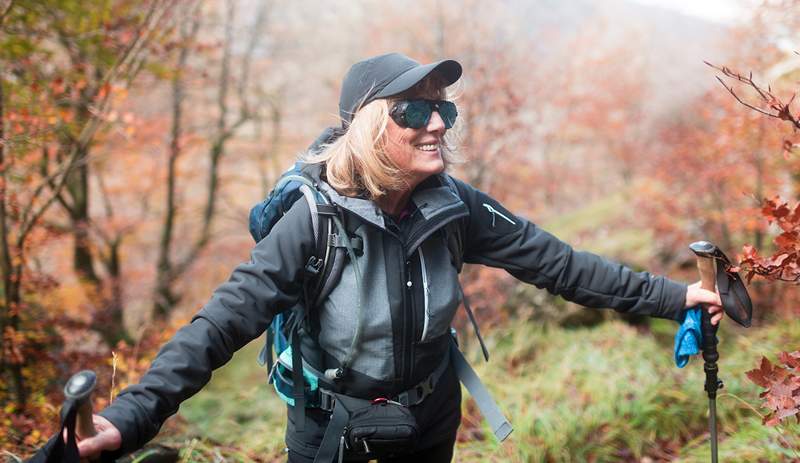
(136, 135)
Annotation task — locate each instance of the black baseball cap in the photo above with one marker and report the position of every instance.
(387, 75)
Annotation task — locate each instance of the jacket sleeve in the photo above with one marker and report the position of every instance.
(239, 311)
(498, 238)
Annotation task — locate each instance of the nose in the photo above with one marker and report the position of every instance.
(436, 123)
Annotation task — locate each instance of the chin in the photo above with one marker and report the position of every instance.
(435, 167)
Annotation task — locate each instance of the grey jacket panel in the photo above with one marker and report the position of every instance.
(441, 297)
(498, 238)
(338, 313)
(391, 268)
(239, 311)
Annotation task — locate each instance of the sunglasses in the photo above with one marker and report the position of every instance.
(415, 114)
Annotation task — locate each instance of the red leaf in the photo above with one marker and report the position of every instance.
(791, 360)
(761, 375)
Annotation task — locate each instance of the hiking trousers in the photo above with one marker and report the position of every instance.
(440, 453)
(438, 418)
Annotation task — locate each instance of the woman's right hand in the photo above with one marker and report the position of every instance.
(107, 438)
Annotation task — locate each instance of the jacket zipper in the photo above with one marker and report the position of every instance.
(410, 324)
(425, 291)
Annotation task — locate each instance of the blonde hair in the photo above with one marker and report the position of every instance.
(356, 163)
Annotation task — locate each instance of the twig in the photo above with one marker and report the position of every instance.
(113, 376)
(781, 110)
(14, 458)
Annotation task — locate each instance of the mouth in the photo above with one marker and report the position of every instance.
(428, 147)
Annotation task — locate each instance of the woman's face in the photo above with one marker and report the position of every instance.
(417, 152)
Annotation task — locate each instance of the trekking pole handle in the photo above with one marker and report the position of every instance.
(707, 267)
(79, 388)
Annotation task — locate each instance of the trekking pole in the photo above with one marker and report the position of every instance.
(718, 274)
(79, 390)
(707, 266)
(76, 413)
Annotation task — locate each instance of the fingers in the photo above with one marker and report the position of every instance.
(709, 299)
(107, 438)
(697, 295)
(717, 314)
(91, 447)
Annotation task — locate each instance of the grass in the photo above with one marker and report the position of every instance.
(608, 393)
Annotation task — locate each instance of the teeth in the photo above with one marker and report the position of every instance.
(428, 147)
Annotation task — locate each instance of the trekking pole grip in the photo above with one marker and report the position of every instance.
(707, 267)
(79, 389)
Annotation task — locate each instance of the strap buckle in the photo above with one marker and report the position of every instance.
(425, 388)
(418, 393)
(314, 265)
(326, 400)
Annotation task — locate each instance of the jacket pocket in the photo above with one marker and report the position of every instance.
(440, 289)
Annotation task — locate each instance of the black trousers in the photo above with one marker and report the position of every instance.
(440, 453)
(438, 417)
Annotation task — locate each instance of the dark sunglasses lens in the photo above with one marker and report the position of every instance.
(418, 113)
(448, 112)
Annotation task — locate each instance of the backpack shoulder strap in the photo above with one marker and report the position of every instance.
(455, 244)
(488, 407)
(453, 233)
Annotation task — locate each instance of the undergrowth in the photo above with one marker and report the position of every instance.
(607, 393)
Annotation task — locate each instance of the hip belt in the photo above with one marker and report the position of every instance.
(407, 398)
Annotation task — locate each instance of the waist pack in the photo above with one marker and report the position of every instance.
(379, 428)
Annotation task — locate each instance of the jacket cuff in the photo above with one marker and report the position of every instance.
(673, 300)
(124, 419)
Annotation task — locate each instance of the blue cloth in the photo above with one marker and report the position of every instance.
(689, 337)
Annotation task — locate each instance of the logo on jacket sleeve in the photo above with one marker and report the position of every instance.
(495, 213)
(494, 217)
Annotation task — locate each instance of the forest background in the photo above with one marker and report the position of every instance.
(136, 135)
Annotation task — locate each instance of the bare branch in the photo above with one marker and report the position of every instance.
(151, 22)
(252, 44)
(730, 90)
(781, 110)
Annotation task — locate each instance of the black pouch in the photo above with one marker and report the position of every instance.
(381, 429)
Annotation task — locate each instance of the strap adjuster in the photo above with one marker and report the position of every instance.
(326, 400)
(314, 265)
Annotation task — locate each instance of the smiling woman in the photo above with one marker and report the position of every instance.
(376, 157)
(378, 369)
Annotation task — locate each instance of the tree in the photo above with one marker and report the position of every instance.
(60, 64)
(170, 268)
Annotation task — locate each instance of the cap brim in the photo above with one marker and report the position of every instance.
(449, 69)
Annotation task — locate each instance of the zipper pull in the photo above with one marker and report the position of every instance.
(494, 211)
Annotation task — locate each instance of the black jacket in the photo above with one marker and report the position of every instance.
(409, 286)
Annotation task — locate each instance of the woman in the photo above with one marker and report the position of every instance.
(385, 170)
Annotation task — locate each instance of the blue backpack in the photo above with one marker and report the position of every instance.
(321, 273)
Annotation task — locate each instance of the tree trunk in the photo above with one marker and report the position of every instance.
(9, 317)
(165, 296)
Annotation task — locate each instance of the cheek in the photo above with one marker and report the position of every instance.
(399, 148)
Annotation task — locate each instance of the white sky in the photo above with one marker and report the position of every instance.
(723, 11)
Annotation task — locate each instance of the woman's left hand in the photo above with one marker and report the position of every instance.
(697, 295)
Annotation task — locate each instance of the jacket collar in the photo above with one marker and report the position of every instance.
(431, 197)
